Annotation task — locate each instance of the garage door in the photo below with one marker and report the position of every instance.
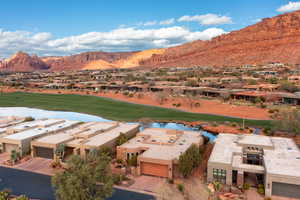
(44, 152)
(9, 147)
(286, 190)
(154, 169)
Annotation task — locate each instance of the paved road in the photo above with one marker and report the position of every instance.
(38, 186)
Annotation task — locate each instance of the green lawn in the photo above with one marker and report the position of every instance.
(109, 109)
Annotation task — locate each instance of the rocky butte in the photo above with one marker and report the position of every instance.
(274, 39)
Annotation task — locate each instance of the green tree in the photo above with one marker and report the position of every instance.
(60, 151)
(85, 179)
(288, 121)
(288, 87)
(4, 195)
(189, 160)
(121, 139)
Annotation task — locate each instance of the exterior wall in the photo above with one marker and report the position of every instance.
(226, 167)
(281, 179)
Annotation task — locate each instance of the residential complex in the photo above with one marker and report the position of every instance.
(42, 137)
(250, 82)
(158, 150)
(272, 161)
(81, 139)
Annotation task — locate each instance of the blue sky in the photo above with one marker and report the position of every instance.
(50, 27)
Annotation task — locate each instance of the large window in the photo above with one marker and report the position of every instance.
(219, 175)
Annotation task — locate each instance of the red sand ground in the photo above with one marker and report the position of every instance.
(226, 129)
(206, 106)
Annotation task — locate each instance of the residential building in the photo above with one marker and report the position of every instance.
(158, 150)
(271, 161)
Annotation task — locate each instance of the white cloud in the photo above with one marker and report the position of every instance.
(151, 23)
(207, 19)
(291, 6)
(167, 22)
(121, 39)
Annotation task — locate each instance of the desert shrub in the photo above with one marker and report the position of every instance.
(176, 104)
(214, 124)
(132, 161)
(234, 124)
(22, 197)
(205, 139)
(28, 119)
(197, 105)
(131, 95)
(119, 161)
(4, 195)
(118, 178)
(170, 181)
(261, 189)
(121, 139)
(126, 93)
(246, 186)
(263, 105)
(180, 187)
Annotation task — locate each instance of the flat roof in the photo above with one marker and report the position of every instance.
(282, 159)
(110, 135)
(84, 129)
(256, 140)
(36, 123)
(40, 131)
(285, 160)
(225, 146)
(7, 121)
(163, 144)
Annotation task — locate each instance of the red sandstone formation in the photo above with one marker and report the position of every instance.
(274, 39)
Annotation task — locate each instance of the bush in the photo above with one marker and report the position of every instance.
(170, 181)
(180, 187)
(132, 161)
(205, 139)
(197, 105)
(263, 105)
(261, 189)
(176, 104)
(119, 161)
(22, 197)
(131, 95)
(126, 93)
(118, 178)
(4, 195)
(28, 119)
(246, 186)
(121, 139)
(234, 124)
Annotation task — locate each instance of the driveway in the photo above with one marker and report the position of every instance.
(38, 186)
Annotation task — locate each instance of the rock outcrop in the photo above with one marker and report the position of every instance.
(274, 39)
(23, 62)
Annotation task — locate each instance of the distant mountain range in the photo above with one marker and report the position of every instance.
(274, 39)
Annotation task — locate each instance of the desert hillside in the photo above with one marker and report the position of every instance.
(274, 39)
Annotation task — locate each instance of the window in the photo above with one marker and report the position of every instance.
(219, 175)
